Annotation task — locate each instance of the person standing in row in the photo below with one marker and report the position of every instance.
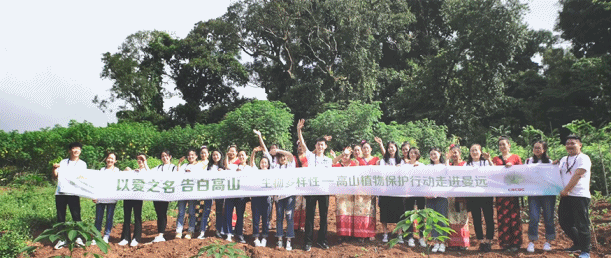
(261, 205)
(238, 203)
(106, 205)
(477, 205)
(204, 164)
(216, 165)
(573, 214)
(344, 221)
(136, 207)
(508, 208)
(391, 207)
(438, 204)
(301, 161)
(458, 214)
(161, 207)
(191, 167)
(537, 203)
(285, 205)
(62, 200)
(411, 157)
(316, 159)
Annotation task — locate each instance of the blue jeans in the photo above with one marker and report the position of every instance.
(181, 215)
(240, 207)
(99, 216)
(205, 215)
(285, 208)
(535, 204)
(261, 208)
(220, 215)
(440, 205)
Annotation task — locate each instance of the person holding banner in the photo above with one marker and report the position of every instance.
(285, 205)
(63, 200)
(458, 214)
(573, 214)
(477, 205)
(300, 208)
(192, 166)
(136, 207)
(231, 159)
(161, 207)
(238, 203)
(367, 159)
(261, 205)
(411, 157)
(438, 204)
(365, 205)
(344, 222)
(391, 208)
(204, 163)
(536, 203)
(508, 208)
(108, 205)
(213, 167)
(315, 159)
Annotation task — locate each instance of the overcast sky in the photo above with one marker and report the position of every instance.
(50, 52)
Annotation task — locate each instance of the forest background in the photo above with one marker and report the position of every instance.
(428, 72)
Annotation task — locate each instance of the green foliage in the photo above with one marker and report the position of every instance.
(272, 118)
(69, 232)
(428, 221)
(12, 243)
(218, 250)
(586, 23)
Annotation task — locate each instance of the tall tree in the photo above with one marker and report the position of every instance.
(310, 52)
(138, 78)
(587, 25)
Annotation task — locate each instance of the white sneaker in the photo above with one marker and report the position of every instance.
(435, 248)
(93, 242)
(257, 242)
(531, 247)
(158, 239)
(288, 245)
(411, 242)
(229, 238)
(422, 242)
(201, 235)
(547, 247)
(400, 237)
(263, 242)
(188, 236)
(178, 235)
(279, 243)
(60, 244)
(134, 243)
(442, 248)
(106, 238)
(79, 242)
(123, 242)
(385, 238)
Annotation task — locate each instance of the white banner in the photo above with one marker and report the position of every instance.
(429, 181)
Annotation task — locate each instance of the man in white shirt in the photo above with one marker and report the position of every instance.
(63, 200)
(316, 159)
(573, 214)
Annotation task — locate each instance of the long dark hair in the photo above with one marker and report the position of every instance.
(387, 154)
(544, 156)
(440, 156)
(220, 164)
(470, 159)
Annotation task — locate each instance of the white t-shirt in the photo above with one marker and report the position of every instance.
(113, 170)
(165, 168)
(403, 163)
(572, 163)
(479, 163)
(315, 161)
(391, 162)
(67, 164)
(213, 168)
(191, 168)
(531, 161)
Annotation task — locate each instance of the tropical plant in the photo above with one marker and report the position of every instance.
(427, 220)
(69, 232)
(218, 250)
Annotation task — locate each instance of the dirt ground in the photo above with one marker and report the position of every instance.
(601, 240)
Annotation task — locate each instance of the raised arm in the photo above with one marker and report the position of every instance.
(253, 155)
(261, 143)
(288, 155)
(300, 135)
(379, 141)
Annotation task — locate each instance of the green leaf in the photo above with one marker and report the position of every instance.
(72, 235)
(27, 249)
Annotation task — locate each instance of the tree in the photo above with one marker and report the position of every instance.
(138, 78)
(328, 51)
(206, 68)
(587, 25)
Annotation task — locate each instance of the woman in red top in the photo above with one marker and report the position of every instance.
(508, 208)
(345, 216)
(300, 210)
(365, 205)
(457, 207)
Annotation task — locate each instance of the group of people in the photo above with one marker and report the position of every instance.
(356, 214)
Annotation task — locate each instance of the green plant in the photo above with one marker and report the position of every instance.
(69, 232)
(218, 250)
(427, 220)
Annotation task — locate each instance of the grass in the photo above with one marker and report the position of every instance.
(27, 210)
